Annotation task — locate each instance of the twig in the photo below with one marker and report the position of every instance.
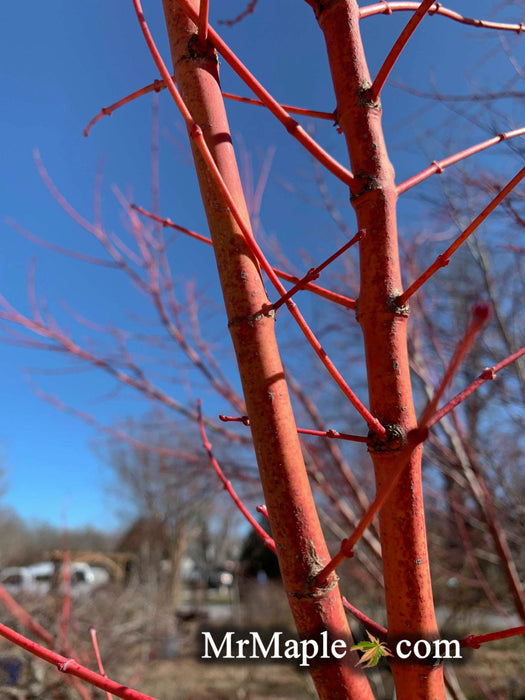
(475, 640)
(397, 49)
(268, 541)
(444, 259)
(70, 666)
(438, 166)
(158, 85)
(386, 8)
(333, 434)
(488, 374)
(314, 272)
(93, 634)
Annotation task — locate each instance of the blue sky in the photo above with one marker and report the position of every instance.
(60, 64)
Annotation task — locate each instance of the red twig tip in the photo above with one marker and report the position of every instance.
(94, 641)
(263, 510)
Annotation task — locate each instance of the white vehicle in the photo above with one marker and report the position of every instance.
(38, 579)
(15, 579)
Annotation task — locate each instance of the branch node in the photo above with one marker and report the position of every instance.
(367, 183)
(366, 97)
(63, 666)
(394, 439)
(435, 8)
(198, 49)
(195, 131)
(347, 548)
(442, 260)
(438, 167)
(488, 373)
(394, 305)
(267, 312)
(388, 9)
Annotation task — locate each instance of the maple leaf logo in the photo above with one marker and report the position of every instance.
(372, 651)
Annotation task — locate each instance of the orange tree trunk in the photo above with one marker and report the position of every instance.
(301, 547)
(408, 590)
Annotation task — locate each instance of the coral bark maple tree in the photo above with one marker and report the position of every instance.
(395, 443)
(396, 436)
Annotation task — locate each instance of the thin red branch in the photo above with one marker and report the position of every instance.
(93, 634)
(158, 85)
(438, 166)
(378, 630)
(480, 315)
(314, 272)
(397, 49)
(443, 259)
(488, 373)
(25, 619)
(275, 108)
(65, 615)
(268, 541)
(314, 288)
(334, 434)
(72, 667)
(204, 8)
(304, 431)
(475, 640)
(55, 334)
(301, 111)
(386, 8)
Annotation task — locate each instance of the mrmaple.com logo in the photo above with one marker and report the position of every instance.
(274, 646)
